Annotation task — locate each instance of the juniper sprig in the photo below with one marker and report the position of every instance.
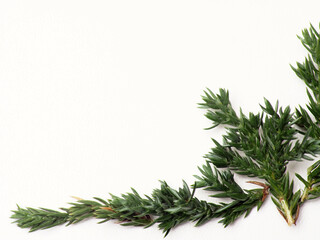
(257, 145)
(170, 207)
(261, 146)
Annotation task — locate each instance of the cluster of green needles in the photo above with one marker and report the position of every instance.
(257, 145)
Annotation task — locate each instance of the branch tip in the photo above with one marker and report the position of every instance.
(77, 198)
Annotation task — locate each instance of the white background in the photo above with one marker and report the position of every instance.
(100, 96)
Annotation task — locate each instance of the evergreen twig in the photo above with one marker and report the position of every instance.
(255, 145)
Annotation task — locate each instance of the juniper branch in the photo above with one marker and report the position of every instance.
(309, 72)
(261, 145)
(166, 206)
(224, 186)
(41, 218)
(255, 145)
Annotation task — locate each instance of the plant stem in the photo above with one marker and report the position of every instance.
(305, 194)
(287, 212)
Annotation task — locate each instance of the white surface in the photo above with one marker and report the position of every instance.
(100, 96)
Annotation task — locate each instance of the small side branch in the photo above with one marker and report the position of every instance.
(265, 188)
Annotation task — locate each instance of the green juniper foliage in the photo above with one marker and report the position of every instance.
(259, 146)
